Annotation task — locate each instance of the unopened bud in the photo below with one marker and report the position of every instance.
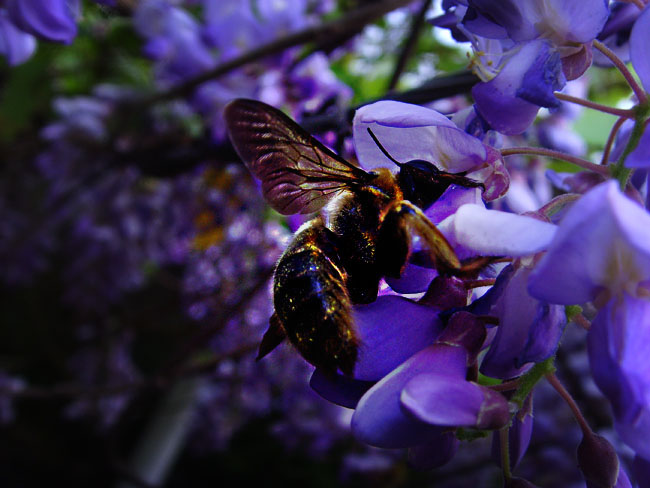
(598, 461)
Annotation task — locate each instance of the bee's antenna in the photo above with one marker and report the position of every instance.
(374, 138)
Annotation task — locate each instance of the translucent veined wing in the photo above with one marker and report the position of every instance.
(298, 173)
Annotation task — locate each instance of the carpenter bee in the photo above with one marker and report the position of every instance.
(336, 260)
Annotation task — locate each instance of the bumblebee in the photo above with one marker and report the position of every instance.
(337, 259)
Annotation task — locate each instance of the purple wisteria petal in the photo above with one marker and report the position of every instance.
(489, 26)
(288, 16)
(640, 46)
(529, 331)
(504, 111)
(519, 435)
(616, 32)
(17, 46)
(559, 20)
(173, 39)
(530, 73)
(379, 419)
(603, 242)
(435, 453)
(575, 65)
(496, 233)
(572, 21)
(414, 279)
(641, 471)
(623, 480)
(619, 355)
(451, 200)
(544, 336)
(339, 389)
(391, 330)
(231, 26)
(53, 20)
(409, 132)
(438, 399)
(543, 77)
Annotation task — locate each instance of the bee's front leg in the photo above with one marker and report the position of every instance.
(394, 244)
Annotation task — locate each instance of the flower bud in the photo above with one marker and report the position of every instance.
(598, 461)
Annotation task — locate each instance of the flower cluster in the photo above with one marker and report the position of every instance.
(22, 22)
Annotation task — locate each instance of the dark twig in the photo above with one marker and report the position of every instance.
(354, 20)
(409, 44)
(435, 89)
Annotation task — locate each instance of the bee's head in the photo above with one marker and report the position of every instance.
(421, 182)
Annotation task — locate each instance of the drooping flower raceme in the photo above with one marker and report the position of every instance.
(601, 253)
(410, 386)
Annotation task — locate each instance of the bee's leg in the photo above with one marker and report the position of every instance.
(311, 300)
(394, 243)
(273, 336)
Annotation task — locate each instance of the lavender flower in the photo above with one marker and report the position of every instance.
(53, 22)
(524, 52)
(600, 254)
(17, 46)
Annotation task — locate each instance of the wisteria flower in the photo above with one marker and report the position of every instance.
(411, 132)
(16, 45)
(601, 253)
(54, 20)
(524, 51)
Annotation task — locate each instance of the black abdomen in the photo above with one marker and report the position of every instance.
(312, 302)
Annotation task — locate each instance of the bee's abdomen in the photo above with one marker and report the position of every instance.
(312, 302)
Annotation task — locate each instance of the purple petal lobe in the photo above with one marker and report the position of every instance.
(496, 233)
(544, 77)
(603, 242)
(619, 355)
(339, 389)
(439, 399)
(17, 46)
(379, 419)
(528, 330)
(414, 279)
(640, 46)
(641, 471)
(52, 20)
(435, 453)
(411, 132)
(391, 330)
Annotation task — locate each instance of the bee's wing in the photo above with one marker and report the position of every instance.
(298, 173)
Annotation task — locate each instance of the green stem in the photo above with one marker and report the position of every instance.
(531, 378)
(638, 91)
(610, 140)
(583, 163)
(505, 453)
(619, 112)
(619, 171)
